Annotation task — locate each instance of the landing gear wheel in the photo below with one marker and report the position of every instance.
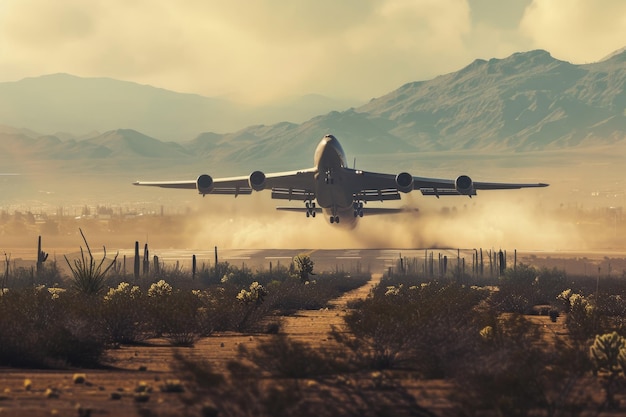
(313, 213)
(308, 213)
(332, 219)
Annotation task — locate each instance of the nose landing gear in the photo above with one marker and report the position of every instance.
(310, 205)
(328, 177)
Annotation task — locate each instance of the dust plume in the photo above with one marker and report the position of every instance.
(480, 222)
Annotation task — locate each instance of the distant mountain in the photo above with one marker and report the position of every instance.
(527, 101)
(66, 103)
(524, 102)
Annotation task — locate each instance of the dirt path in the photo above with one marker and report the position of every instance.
(313, 326)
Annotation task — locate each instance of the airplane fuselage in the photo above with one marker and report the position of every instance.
(331, 194)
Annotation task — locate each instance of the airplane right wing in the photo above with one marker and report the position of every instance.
(374, 186)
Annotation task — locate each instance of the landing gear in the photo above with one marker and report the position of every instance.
(334, 219)
(358, 208)
(310, 206)
(328, 177)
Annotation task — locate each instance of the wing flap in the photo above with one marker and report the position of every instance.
(190, 185)
(378, 195)
(292, 194)
(437, 192)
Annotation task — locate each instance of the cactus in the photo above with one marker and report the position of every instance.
(41, 256)
(608, 355)
(136, 271)
(193, 267)
(146, 260)
(156, 265)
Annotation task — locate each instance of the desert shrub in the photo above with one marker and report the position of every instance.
(514, 372)
(125, 314)
(39, 328)
(49, 274)
(583, 319)
(182, 318)
(283, 357)
(427, 328)
(524, 287)
(88, 276)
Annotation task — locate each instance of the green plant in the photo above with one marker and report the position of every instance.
(88, 277)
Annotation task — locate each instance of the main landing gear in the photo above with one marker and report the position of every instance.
(310, 208)
(358, 208)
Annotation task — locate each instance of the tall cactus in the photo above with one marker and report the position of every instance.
(41, 256)
(136, 270)
(146, 260)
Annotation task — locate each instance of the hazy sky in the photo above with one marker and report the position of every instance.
(257, 50)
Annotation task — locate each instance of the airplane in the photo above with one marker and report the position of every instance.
(330, 186)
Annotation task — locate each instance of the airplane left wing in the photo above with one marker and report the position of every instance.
(283, 184)
(373, 186)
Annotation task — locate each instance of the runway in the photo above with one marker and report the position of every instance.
(326, 260)
(380, 260)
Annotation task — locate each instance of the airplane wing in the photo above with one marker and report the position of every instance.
(284, 185)
(373, 186)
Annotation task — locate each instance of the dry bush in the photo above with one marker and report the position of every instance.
(428, 328)
(524, 287)
(514, 373)
(126, 315)
(283, 357)
(40, 329)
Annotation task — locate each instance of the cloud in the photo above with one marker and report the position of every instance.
(266, 49)
(260, 49)
(576, 30)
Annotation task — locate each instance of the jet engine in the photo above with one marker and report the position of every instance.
(404, 181)
(204, 184)
(464, 185)
(257, 180)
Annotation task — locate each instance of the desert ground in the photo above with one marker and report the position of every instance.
(135, 378)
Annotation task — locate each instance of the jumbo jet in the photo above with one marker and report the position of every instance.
(334, 188)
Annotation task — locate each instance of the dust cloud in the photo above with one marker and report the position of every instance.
(454, 223)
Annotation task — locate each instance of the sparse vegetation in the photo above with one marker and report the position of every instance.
(483, 340)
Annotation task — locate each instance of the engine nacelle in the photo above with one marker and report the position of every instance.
(464, 185)
(257, 180)
(404, 181)
(204, 184)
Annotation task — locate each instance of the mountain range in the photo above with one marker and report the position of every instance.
(528, 101)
